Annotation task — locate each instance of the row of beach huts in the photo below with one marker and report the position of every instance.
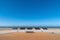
(29, 29)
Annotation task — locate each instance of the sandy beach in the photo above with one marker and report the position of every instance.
(30, 36)
(15, 35)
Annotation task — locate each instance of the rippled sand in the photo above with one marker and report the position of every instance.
(29, 36)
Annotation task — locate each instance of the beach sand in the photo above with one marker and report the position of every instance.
(29, 36)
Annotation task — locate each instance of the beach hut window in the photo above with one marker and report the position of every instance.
(37, 28)
(29, 28)
(45, 29)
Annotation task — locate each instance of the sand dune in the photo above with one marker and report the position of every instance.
(30, 36)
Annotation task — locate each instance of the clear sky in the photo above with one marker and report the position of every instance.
(29, 12)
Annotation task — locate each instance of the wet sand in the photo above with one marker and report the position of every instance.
(29, 36)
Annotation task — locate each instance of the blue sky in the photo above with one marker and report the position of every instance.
(29, 12)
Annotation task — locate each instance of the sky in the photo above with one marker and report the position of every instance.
(29, 12)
